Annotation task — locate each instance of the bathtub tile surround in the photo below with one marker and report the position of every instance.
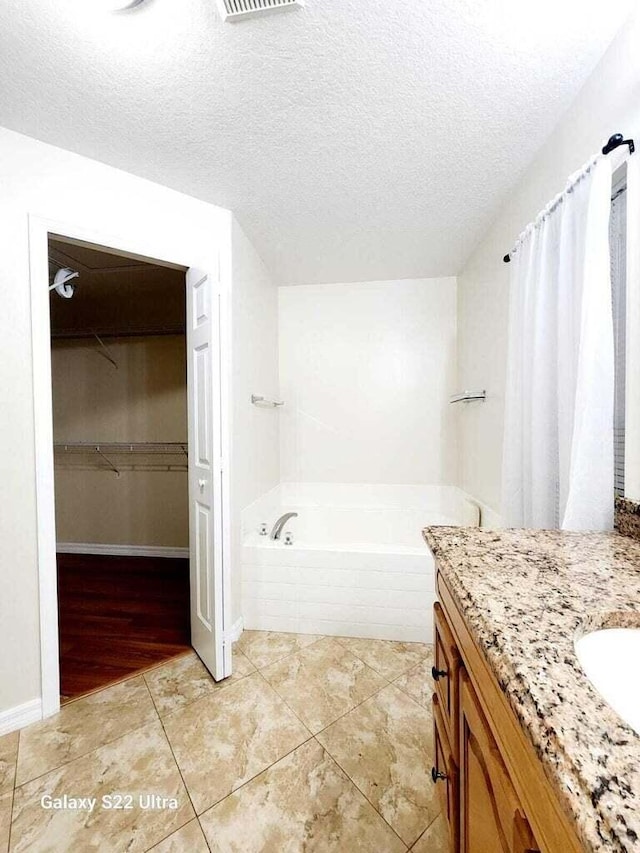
(303, 802)
(83, 725)
(323, 682)
(139, 762)
(185, 679)
(363, 779)
(263, 647)
(385, 746)
(525, 595)
(239, 731)
(357, 566)
(627, 517)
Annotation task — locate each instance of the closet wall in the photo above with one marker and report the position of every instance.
(143, 399)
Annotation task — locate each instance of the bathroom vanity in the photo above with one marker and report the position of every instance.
(528, 756)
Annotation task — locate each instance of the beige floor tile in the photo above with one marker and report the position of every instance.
(138, 764)
(8, 757)
(266, 647)
(323, 682)
(189, 839)
(385, 747)
(390, 658)
(83, 726)
(186, 679)
(435, 839)
(5, 819)
(302, 803)
(223, 740)
(241, 664)
(418, 682)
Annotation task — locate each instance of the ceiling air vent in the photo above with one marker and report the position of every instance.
(236, 10)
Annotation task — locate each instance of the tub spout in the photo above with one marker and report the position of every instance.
(276, 533)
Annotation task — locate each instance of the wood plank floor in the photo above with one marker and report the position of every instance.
(118, 615)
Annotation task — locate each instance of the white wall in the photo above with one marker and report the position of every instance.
(255, 431)
(366, 371)
(56, 184)
(609, 102)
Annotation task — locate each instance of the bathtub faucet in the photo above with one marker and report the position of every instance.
(276, 533)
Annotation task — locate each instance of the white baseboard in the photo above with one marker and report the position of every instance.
(22, 715)
(120, 550)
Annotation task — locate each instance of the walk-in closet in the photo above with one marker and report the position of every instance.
(119, 393)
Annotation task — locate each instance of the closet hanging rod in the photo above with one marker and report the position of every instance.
(613, 142)
(152, 331)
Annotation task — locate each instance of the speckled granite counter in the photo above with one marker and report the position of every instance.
(525, 596)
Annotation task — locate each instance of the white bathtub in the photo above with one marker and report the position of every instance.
(358, 565)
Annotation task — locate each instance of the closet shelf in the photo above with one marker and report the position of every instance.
(165, 447)
(107, 451)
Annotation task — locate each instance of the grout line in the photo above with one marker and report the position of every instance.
(284, 701)
(204, 834)
(225, 683)
(425, 830)
(314, 734)
(136, 674)
(165, 837)
(288, 654)
(253, 778)
(120, 735)
(13, 799)
(357, 787)
(175, 761)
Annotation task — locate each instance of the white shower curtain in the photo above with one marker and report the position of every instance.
(558, 448)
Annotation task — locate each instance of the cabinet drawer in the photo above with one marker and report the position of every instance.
(445, 775)
(446, 666)
(492, 817)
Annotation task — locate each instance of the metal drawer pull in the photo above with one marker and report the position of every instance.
(437, 774)
(438, 673)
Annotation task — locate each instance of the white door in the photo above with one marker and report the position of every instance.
(205, 469)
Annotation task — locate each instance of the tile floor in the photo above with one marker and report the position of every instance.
(315, 744)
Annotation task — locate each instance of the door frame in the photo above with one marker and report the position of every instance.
(40, 229)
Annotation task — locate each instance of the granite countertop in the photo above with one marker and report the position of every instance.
(526, 595)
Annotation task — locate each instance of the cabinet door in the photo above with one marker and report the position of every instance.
(446, 665)
(491, 817)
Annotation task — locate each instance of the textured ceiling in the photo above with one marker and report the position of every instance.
(354, 139)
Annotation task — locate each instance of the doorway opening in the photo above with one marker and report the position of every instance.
(119, 393)
(165, 336)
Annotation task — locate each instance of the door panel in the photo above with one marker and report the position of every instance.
(205, 469)
(492, 817)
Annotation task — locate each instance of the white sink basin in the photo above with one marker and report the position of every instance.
(610, 658)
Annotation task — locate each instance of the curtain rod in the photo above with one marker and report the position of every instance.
(613, 142)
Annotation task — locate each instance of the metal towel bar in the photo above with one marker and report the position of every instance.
(468, 396)
(265, 402)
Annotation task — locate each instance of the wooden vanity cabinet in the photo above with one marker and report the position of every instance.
(493, 790)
